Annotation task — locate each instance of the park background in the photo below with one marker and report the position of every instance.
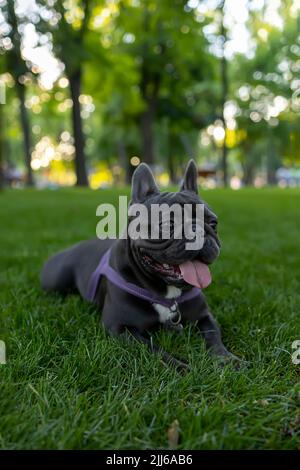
(94, 87)
(88, 90)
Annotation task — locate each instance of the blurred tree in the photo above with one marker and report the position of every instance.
(174, 80)
(69, 27)
(16, 66)
(224, 87)
(218, 36)
(265, 83)
(118, 103)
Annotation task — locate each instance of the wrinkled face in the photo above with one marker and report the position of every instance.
(165, 255)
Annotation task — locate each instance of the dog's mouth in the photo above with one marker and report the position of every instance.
(164, 269)
(193, 272)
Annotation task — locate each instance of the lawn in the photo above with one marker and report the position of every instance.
(67, 385)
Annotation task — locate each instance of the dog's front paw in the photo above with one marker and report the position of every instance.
(230, 358)
(225, 357)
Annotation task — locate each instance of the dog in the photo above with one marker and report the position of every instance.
(146, 283)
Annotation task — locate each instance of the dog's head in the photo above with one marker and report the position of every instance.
(167, 257)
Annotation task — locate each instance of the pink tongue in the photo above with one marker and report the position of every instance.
(196, 273)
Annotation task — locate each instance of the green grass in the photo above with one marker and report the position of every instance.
(68, 385)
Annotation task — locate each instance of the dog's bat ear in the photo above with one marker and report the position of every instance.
(143, 183)
(190, 178)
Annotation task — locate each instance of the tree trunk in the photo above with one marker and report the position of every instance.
(148, 116)
(271, 159)
(248, 175)
(124, 161)
(170, 154)
(171, 168)
(188, 147)
(26, 135)
(80, 162)
(147, 122)
(224, 79)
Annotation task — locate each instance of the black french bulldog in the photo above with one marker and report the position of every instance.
(163, 268)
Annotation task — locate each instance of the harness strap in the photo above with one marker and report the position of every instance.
(104, 269)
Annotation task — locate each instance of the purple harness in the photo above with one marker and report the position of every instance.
(104, 269)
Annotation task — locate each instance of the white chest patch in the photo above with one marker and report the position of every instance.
(166, 313)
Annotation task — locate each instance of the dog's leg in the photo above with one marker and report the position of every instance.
(167, 358)
(112, 319)
(212, 337)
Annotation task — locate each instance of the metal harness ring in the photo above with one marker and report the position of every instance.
(177, 319)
